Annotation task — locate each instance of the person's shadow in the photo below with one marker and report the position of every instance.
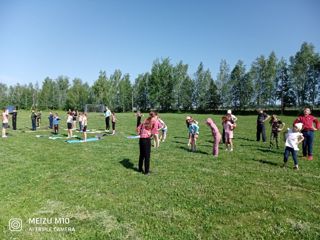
(127, 164)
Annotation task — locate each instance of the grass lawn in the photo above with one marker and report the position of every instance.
(96, 189)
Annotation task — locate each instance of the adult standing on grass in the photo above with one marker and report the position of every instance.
(5, 122)
(216, 136)
(33, 120)
(14, 119)
(145, 131)
(262, 117)
(107, 114)
(310, 124)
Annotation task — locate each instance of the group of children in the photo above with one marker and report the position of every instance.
(303, 127)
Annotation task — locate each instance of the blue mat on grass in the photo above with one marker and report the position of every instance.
(82, 141)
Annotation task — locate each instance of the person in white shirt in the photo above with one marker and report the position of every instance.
(69, 124)
(107, 115)
(293, 138)
(5, 122)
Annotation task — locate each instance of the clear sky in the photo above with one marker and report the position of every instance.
(78, 38)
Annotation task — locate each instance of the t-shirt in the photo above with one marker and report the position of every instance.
(70, 119)
(292, 139)
(5, 117)
(275, 125)
(261, 117)
(107, 113)
(194, 128)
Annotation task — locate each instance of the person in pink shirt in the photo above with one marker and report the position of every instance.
(310, 124)
(155, 130)
(145, 132)
(216, 136)
(228, 129)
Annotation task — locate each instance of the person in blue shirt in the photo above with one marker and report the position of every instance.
(194, 133)
(55, 122)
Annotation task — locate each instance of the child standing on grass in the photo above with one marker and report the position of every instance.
(39, 119)
(155, 130)
(293, 138)
(194, 134)
(80, 121)
(164, 130)
(69, 124)
(228, 129)
(33, 120)
(55, 123)
(216, 136)
(276, 126)
(113, 122)
(5, 122)
(85, 124)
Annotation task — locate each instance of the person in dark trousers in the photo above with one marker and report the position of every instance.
(107, 115)
(310, 125)
(14, 119)
(144, 131)
(50, 120)
(262, 117)
(34, 120)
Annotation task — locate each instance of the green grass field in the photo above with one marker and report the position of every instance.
(95, 186)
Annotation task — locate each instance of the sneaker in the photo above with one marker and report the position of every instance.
(4, 136)
(296, 167)
(231, 149)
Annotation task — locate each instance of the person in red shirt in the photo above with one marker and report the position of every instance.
(310, 124)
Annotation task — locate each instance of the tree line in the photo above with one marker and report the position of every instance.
(268, 82)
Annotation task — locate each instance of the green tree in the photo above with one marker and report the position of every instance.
(303, 73)
(3, 95)
(223, 84)
(180, 74)
(186, 92)
(100, 90)
(77, 95)
(125, 89)
(47, 94)
(201, 85)
(141, 92)
(213, 98)
(161, 85)
(62, 83)
(241, 86)
(285, 91)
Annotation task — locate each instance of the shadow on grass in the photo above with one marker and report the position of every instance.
(266, 162)
(127, 164)
(246, 139)
(197, 151)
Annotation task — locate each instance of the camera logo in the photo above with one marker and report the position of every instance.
(15, 224)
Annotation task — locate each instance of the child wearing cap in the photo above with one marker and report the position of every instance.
(293, 138)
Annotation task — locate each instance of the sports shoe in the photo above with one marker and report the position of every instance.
(296, 167)
(310, 158)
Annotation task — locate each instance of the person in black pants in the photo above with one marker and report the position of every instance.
(262, 117)
(14, 119)
(107, 115)
(34, 120)
(144, 131)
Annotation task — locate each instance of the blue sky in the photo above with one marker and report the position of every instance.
(78, 38)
